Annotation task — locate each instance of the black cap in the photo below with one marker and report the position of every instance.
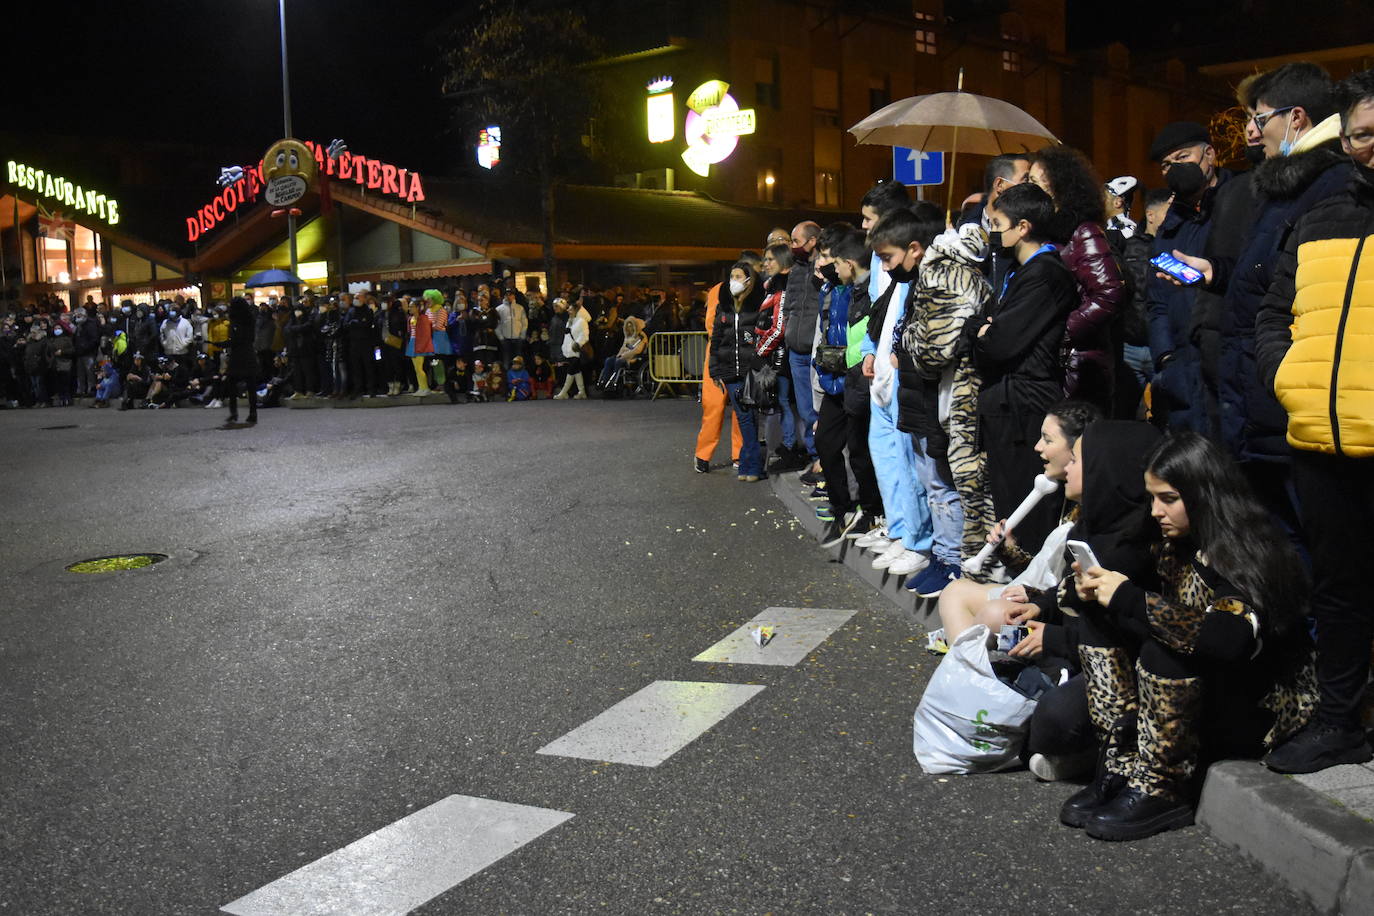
(1177, 135)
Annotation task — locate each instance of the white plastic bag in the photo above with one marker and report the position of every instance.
(968, 721)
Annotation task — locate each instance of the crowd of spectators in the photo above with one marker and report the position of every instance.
(488, 341)
(1201, 385)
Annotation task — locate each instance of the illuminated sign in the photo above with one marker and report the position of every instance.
(662, 117)
(59, 189)
(369, 174)
(714, 125)
(489, 147)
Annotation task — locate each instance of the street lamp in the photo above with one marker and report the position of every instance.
(286, 122)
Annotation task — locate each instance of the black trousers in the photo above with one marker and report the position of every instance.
(305, 376)
(1336, 502)
(362, 368)
(1060, 724)
(836, 430)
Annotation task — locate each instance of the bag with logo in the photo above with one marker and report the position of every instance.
(760, 388)
(969, 721)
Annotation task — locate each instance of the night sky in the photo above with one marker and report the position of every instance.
(208, 72)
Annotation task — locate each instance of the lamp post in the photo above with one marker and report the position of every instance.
(286, 121)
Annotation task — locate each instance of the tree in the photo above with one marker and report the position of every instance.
(522, 66)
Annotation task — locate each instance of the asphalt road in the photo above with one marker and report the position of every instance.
(367, 611)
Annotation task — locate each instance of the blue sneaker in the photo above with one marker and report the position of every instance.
(933, 580)
(824, 514)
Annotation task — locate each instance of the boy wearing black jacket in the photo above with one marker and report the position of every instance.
(1016, 348)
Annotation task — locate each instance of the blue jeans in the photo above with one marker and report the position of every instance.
(800, 366)
(894, 464)
(750, 458)
(1138, 360)
(786, 415)
(946, 512)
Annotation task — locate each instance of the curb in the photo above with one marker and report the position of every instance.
(920, 611)
(1320, 850)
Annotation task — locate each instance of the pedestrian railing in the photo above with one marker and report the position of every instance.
(676, 358)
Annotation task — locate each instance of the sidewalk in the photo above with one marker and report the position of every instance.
(1315, 832)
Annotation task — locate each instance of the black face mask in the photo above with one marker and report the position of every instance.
(1253, 154)
(901, 274)
(831, 274)
(1186, 180)
(816, 282)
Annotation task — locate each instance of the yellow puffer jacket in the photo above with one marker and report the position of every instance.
(1315, 332)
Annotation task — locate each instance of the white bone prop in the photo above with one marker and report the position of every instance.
(1043, 487)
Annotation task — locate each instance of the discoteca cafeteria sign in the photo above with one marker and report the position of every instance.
(714, 125)
(370, 174)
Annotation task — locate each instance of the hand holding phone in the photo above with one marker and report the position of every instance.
(1175, 268)
(1083, 555)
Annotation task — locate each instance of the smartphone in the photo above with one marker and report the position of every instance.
(376, 353)
(1177, 269)
(1083, 555)
(1009, 635)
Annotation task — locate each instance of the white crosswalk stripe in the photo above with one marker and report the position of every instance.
(648, 727)
(797, 632)
(401, 866)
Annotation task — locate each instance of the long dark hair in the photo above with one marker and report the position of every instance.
(1077, 187)
(1235, 533)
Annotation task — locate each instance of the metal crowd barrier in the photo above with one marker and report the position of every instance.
(677, 358)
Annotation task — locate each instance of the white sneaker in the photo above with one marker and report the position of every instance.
(888, 556)
(1052, 768)
(580, 396)
(909, 563)
(876, 539)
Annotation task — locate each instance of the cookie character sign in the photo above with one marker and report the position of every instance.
(288, 170)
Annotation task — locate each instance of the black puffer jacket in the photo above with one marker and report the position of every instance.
(734, 334)
(801, 305)
(1253, 425)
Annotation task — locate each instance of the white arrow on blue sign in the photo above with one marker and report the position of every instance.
(914, 167)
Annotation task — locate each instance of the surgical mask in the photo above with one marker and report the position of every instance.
(831, 274)
(57, 332)
(1286, 145)
(125, 310)
(172, 313)
(1186, 180)
(737, 287)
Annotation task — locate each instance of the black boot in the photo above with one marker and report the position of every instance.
(1087, 801)
(1135, 814)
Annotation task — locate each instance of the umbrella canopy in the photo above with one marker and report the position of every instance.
(274, 277)
(954, 122)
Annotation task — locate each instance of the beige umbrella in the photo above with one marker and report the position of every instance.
(954, 122)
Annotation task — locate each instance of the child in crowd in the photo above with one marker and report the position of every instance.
(541, 377)
(496, 382)
(519, 381)
(1016, 349)
(107, 384)
(478, 389)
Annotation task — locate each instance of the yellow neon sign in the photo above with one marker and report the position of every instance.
(714, 125)
(662, 123)
(62, 191)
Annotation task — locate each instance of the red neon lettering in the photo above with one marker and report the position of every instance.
(192, 229)
(346, 166)
(389, 185)
(374, 174)
(217, 209)
(231, 200)
(238, 187)
(417, 192)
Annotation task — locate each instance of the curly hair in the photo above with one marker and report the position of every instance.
(1076, 185)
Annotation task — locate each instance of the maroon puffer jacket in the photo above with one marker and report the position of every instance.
(1087, 353)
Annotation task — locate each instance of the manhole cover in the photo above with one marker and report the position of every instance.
(117, 563)
(63, 426)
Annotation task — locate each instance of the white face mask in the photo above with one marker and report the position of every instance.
(737, 287)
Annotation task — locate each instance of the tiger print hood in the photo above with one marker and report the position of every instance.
(968, 245)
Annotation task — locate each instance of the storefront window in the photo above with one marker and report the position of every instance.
(52, 260)
(86, 255)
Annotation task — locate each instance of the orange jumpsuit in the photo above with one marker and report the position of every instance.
(714, 404)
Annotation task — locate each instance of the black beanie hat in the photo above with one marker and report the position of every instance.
(1177, 135)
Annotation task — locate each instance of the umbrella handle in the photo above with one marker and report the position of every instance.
(953, 161)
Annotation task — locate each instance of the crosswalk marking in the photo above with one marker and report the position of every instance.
(648, 727)
(798, 631)
(399, 867)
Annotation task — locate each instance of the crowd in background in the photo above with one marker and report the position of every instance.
(1188, 401)
(487, 341)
